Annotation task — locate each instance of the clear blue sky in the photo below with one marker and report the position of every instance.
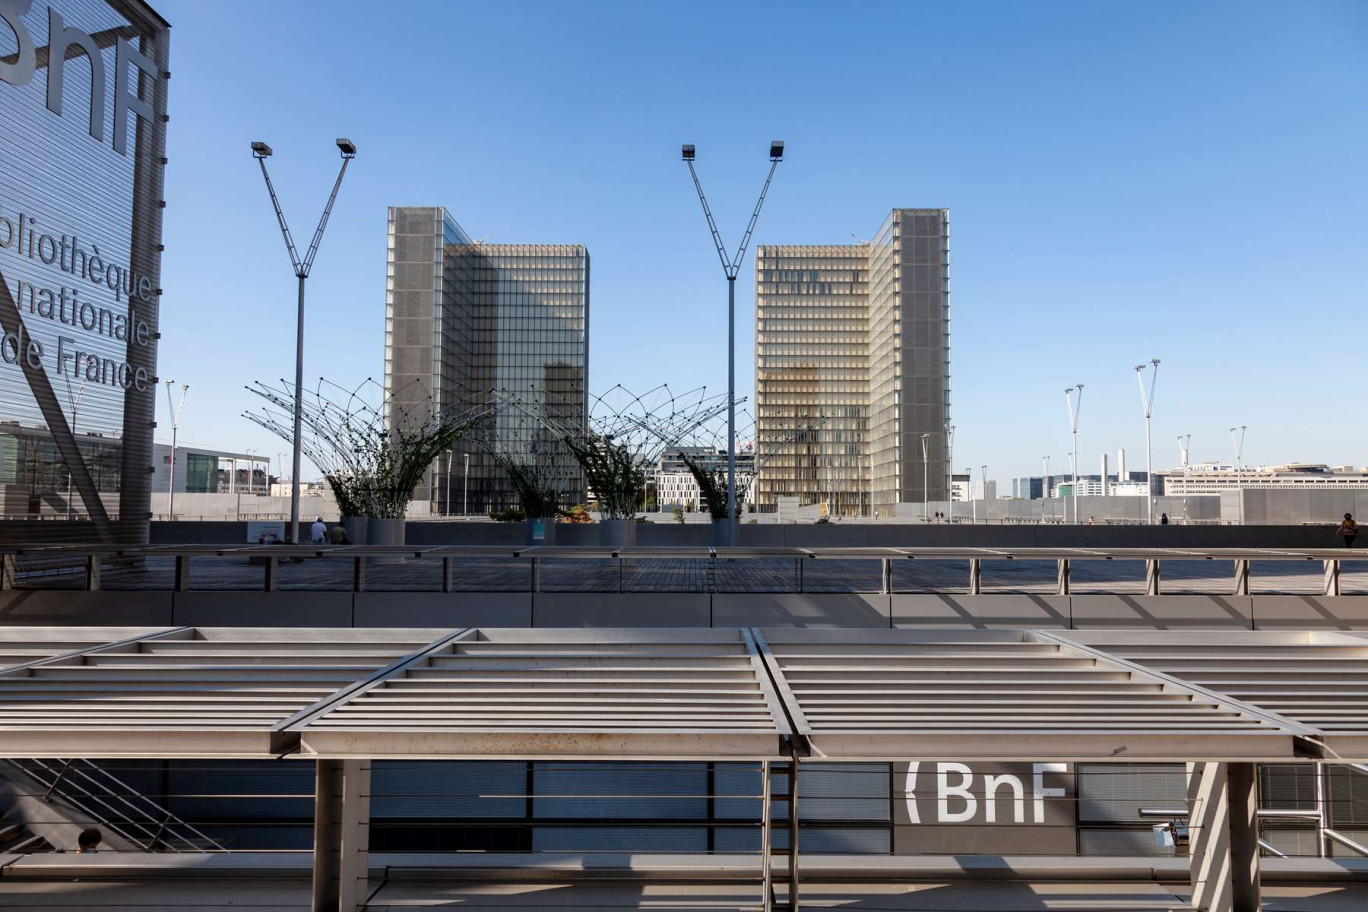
(1187, 181)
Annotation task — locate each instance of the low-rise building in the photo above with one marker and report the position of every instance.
(1213, 478)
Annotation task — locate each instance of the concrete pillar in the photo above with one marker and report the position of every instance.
(1332, 577)
(341, 835)
(1223, 834)
(92, 572)
(1242, 577)
(1152, 575)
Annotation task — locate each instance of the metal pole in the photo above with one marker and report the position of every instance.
(465, 487)
(298, 417)
(731, 408)
(446, 504)
(1147, 403)
(926, 491)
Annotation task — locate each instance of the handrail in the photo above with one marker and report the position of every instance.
(96, 556)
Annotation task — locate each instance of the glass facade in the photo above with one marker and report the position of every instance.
(80, 253)
(466, 319)
(858, 335)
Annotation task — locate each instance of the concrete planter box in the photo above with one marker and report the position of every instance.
(721, 534)
(541, 530)
(356, 527)
(385, 532)
(618, 533)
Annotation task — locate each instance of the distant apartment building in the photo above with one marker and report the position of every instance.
(1213, 478)
(466, 319)
(1036, 487)
(852, 346)
(676, 486)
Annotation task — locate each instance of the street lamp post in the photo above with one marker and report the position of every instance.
(983, 475)
(926, 491)
(969, 491)
(75, 399)
(175, 427)
(1074, 407)
(446, 503)
(730, 269)
(950, 470)
(261, 151)
(1044, 486)
(465, 487)
(1238, 444)
(1147, 403)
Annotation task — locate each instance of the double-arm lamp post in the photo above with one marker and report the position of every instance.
(730, 268)
(261, 152)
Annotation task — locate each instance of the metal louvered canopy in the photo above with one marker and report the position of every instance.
(193, 692)
(683, 694)
(1001, 695)
(1314, 679)
(565, 694)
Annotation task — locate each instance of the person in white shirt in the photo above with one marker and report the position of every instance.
(319, 532)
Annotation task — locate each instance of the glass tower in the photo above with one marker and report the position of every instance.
(856, 337)
(466, 319)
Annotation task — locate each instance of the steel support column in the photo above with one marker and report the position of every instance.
(766, 838)
(341, 835)
(975, 576)
(1223, 833)
(1152, 576)
(1063, 588)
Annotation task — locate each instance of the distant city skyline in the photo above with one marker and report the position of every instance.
(1125, 186)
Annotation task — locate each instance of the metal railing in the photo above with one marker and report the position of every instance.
(17, 563)
(110, 804)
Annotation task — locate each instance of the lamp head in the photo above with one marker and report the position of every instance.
(261, 150)
(1139, 367)
(777, 150)
(688, 153)
(346, 147)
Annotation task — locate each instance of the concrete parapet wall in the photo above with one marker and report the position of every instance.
(679, 609)
(907, 534)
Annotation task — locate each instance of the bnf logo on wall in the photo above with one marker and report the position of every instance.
(18, 69)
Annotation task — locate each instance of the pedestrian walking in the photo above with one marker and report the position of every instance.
(337, 535)
(1348, 529)
(1163, 519)
(319, 532)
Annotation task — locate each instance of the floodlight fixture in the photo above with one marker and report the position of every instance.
(688, 153)
(777, 150)
(347, 147)
(261, 150)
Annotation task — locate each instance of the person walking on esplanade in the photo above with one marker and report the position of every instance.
(1348, 529)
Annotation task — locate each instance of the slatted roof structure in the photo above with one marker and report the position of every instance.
(27, 646)
(1000, 695)
(197, 692)
(676, 694)
(686, 694)
(1314, 679)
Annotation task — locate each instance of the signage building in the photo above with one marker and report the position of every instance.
(83, 99)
